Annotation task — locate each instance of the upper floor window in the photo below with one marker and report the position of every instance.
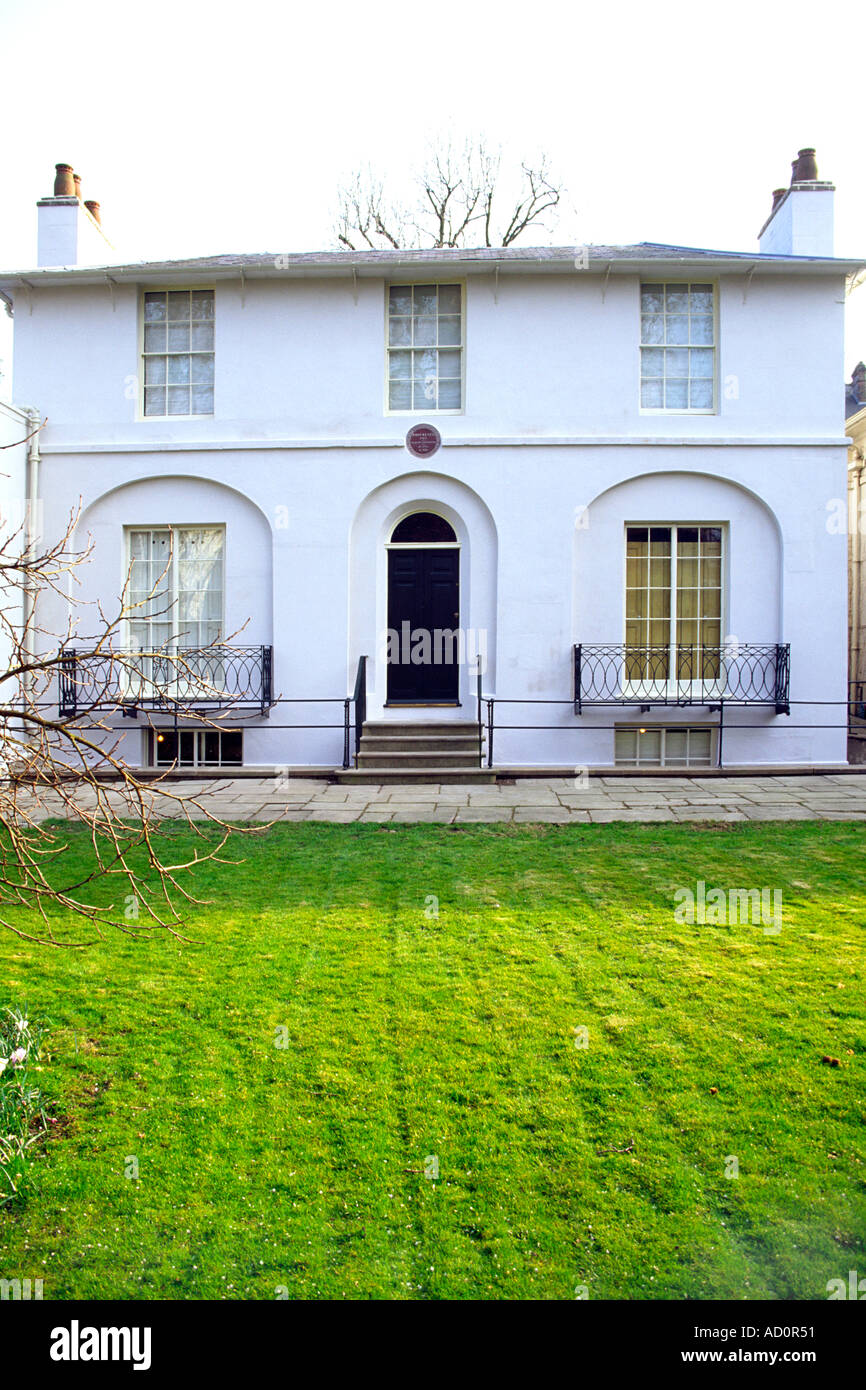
(425, 348)
(178, 352)
(678, 347)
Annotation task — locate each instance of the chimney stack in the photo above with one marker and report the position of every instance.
(801, 218)
(70, 231)
(64, 181)
(804, 168)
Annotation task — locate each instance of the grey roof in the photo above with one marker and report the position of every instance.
(600, 259)
(855, 391)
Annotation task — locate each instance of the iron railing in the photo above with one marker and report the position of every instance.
(210, 678)
(359, 699)
(612, 673)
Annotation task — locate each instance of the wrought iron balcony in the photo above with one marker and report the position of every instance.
(611, 673)
(206, 678)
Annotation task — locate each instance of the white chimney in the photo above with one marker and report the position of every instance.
(801, 220)
(69, 230)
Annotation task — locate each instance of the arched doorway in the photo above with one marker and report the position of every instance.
(423, 611)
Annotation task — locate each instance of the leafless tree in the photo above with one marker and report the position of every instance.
(461, 198)
(63, 766)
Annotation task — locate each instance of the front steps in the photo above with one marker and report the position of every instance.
(442, 750)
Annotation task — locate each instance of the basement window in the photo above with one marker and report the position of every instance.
(195, 747)
(663, 747)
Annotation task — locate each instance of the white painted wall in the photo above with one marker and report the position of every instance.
(301, 360)
(309, 474)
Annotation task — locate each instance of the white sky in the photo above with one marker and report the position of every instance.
(208, 127)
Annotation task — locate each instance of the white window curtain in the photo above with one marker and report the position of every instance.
(176, 587)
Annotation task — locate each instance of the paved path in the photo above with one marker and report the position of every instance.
(556, 799)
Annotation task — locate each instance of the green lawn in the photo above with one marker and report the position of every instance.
(411, 1038)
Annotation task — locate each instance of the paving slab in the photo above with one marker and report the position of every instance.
(558, 800)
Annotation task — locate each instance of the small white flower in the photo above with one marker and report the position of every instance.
(19, 1055)
(4, 1062)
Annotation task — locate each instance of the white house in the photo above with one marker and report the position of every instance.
(628, 520)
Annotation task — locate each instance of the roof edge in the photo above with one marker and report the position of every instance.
(587, 259)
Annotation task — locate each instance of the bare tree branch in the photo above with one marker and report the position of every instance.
(54, 765)
(16, 443)
(458, 194)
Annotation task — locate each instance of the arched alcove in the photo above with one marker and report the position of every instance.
(753, 548)
(180, 501)
(377, 520)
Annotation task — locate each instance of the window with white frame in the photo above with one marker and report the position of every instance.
(678, 347)
(425, 348)
(673, 603)
(663, 747)
(178, 352)
(175, 591)
(195, 747)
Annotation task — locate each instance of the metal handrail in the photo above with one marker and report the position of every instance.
(360, 701)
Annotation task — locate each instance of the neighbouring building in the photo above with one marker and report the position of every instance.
(608, 474)
(855, 426)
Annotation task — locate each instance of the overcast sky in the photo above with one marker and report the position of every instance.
(204, 128)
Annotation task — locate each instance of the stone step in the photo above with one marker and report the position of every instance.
(410, 776)
(422, 743)
(409, 728)
(417, 758)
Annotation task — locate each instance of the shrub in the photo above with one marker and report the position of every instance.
(22, 1108)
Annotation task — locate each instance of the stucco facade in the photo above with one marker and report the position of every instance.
(544, 468)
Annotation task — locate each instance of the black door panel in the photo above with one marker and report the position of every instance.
(423, 592)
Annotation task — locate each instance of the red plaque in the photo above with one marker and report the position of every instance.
(423, 440)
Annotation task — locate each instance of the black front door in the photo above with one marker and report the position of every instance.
(423, 612)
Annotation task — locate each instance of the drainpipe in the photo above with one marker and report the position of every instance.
(31, 533)
(855, 470)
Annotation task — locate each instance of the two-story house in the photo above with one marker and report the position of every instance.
(618, 502)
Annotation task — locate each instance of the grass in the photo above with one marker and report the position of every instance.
(282, 1083)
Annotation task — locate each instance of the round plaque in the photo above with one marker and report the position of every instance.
(423, 440)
